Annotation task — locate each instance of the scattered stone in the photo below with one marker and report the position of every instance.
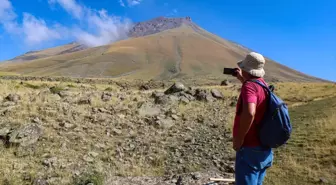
(165, 123)
(40, 182)
(50, 162)
(106, 96)
(37, 120)
(203, 95)
(157, 94)
(147, 110)
(64, 94)
(4, 132)
(217, 94)
(93, 154)
(85, 100)
(323, 180)
(196, 176)
(184, 100)
(225, 83)
(117, 131)
(66, 125)
(25, 136)
(175, 117)
(144, 87)
(8, 104)
(177, 87)
(191, 91)
(13, 98)
(88, 158)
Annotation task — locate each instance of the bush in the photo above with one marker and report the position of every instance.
(56, 89)
(94, 178)
(32, 86)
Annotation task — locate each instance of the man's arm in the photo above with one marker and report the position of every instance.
(246, 120)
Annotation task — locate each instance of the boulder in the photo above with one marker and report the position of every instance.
(203, 95)
(217, 94)
(84, 100)
(177, 87)
(106, 96)
(144, 87)
(25, 136)
(225, 83)
(13, 98)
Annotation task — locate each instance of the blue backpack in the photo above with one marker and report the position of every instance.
(275, 128)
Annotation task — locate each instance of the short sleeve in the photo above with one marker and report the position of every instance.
(249, 93)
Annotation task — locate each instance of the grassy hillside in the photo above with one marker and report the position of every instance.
(310, 156)
(186, 52)
(85, 137)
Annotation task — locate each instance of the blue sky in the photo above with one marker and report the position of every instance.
(299, 34)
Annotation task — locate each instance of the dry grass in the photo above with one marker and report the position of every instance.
(311, 152)
(152, 155)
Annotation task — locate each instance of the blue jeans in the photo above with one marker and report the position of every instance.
(251, 165)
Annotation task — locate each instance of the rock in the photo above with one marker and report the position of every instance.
(64, 94)
(175, 117)
(117, 131)
(93, 154)
(147, 110)
(4, 132)
(8, 104)
(25, 136)
(144, 87)
(196, 176)
(188, 96)
(84, 100)
(40, 182)
(66, 125)
(165, 123)
(13, 98)
(225, 83)
(323, 180)
(106, 96)
(191, 91)
(203, 95)
(177, 87)
(184, 100)
(88, 158)
(157, 94)
(217, 94)
(50, 162)
(37, 120)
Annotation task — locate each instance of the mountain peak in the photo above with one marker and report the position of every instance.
(157, 25)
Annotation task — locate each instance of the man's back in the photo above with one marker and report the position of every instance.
(251, 93)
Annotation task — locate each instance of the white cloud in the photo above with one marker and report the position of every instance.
(121, 2)
(103, 28)
(32, 30)
(91, 27)
(37, 31)
(173, 12)
(71, 6)
(8, 16)
(133, 2)
(107, 29)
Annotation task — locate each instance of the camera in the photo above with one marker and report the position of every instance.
(230, 71)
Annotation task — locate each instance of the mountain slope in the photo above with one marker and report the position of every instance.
(158, 49)
(33, 55)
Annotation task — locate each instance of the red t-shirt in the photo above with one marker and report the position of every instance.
(251, 93)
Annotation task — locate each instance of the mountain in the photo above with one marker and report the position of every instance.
(162, 48)
(33, 55)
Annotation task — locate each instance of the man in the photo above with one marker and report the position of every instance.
(252, 159)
